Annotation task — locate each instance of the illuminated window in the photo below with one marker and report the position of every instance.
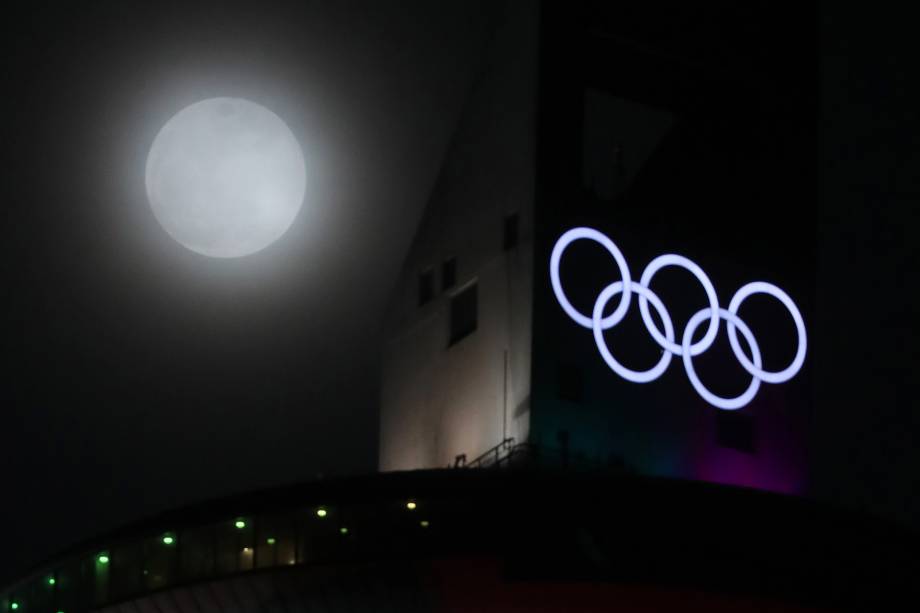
(425, 287)
(735, 430)
(510, 234)
(463, 313)
(448, 273)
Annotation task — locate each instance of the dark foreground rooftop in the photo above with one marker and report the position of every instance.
(486, 540)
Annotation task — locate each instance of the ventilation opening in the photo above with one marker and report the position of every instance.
(425, 287)
(448, 273)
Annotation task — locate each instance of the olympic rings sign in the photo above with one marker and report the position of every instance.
(687, 350)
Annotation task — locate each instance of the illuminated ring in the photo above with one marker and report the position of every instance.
(563, 242)
(687, 349)
(630, 375)
(761, 287)
(671, 259)
(729, 404)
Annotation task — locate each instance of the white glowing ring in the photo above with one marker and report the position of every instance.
(631, 375)
(671, 259)
(686, 349)
(563, 242)
(729, 404)
(761, 287)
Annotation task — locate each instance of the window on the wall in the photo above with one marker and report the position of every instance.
(448, 273)
(570, 379)
(735, 430)
(510, 233)
(425, 287)
(463, 313)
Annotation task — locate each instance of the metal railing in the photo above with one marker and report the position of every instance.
(508, 453)
(495, 456)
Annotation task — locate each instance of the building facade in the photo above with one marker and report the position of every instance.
(584, 117)
(457, 361)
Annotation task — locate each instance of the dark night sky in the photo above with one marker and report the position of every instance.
(141, 376)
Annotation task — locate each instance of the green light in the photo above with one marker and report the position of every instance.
(51, 580)
(102, 558)
(343, 530)
(270, 541)
(423, 523)
(321, 512)
(168, 540)
(14, 605)
(240, 524)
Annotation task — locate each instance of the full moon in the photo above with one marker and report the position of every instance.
(225, 177)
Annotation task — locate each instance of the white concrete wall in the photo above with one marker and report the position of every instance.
(438, 401)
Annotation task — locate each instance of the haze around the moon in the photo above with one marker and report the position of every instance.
(225, 177)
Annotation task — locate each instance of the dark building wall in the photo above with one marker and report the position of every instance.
(446, 585)
(868, 419)
(715, 162)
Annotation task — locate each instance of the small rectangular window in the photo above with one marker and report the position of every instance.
(735, 431)
(510, 239)
(425, 287)
(463, 313)
(448, 273)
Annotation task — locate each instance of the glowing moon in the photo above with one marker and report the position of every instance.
(225, 177)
